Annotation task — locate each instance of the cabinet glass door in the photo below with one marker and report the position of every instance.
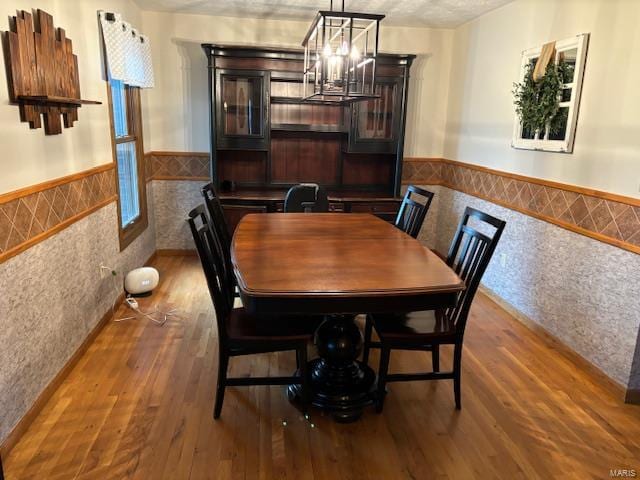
(243, 109)
(375, 123)
(242, 104)
(375, 117)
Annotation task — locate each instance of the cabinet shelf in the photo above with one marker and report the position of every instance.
(296, 127)
(376, 114)
(300, 101)
(53, 100)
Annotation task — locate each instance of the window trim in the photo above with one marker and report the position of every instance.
(134, 120)
(579, 42)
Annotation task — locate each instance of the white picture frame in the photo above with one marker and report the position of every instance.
(579, 43)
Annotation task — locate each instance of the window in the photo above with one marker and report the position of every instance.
(126, 133)
(571, 53)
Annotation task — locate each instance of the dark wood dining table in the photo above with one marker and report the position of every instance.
(336, 265)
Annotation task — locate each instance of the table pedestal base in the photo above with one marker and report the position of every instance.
(339, 384)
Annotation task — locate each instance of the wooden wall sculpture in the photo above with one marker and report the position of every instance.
(42, 72)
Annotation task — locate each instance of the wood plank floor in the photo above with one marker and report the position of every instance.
(139, 405)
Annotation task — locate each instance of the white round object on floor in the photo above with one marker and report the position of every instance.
(141, 280)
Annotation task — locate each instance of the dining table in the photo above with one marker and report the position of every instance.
(336, 265)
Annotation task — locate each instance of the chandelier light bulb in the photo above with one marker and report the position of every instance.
(355, 54)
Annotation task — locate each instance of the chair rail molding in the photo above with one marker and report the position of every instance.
(603, 216)
(32, 214)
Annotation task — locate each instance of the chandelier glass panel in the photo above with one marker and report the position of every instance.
(340, 51)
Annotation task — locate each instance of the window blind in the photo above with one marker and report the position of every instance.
(127, 51)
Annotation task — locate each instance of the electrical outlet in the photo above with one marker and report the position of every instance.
(104, 270)
(503, 260)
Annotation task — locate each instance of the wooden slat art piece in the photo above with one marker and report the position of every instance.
(42, 72)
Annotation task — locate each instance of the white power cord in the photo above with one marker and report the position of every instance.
(132, 303)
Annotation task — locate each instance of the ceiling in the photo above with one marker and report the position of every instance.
(418, 13)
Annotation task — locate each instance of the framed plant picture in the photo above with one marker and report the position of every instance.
(547, 97)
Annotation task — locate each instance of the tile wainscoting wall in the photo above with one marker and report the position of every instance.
(176, 178)
(604, 216)
(53, 293)
(29, 215)
(177, 166)
(577, 284)
(172, 201)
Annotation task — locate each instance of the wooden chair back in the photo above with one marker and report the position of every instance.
(219, 225)
(469, 256)
(211, 257)
(216, 212)
(412, 213)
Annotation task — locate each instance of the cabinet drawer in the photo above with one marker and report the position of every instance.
(234, 213)
(388, 208)
(333, 207)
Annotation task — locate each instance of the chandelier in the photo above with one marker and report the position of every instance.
(340, 51)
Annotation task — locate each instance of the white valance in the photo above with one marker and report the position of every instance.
(127, 52)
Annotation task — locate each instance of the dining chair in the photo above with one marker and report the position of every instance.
(469, 254)
(221, 230)
(216, 212)
(412, 213)
(241, 333)
(306, 197)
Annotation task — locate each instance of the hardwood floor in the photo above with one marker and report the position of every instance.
(139, 405)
